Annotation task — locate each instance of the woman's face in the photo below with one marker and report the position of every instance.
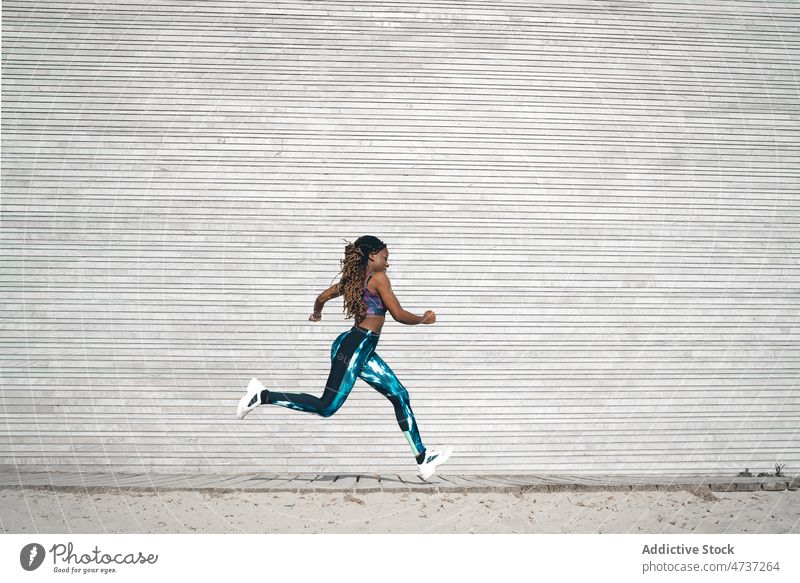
(380, 261)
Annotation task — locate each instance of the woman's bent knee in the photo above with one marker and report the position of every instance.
(328, 411)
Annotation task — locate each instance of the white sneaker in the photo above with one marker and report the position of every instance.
(433, 459)
(253, 390)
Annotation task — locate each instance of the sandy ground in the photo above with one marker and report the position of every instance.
(35, 510)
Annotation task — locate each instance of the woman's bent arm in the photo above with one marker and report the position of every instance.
(330, 293)
(384, 287)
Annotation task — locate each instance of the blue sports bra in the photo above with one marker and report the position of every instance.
(373, 301)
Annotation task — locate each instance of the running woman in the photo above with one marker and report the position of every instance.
(367, 295)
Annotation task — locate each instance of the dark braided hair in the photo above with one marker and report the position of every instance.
(354, 270)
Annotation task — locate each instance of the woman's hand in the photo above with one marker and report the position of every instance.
(429, 317)
(315, 317)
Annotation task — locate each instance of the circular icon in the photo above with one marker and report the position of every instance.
(31, 556)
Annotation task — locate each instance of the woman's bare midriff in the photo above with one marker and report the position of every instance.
(372, 322)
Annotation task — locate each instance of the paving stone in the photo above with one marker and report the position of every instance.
(156, 481)
(122, 480)
(670, 483)
(54, 478)
(316, 484)
(447, 484)
(263, 482)
(478, 484)
(454, 483)
(606, 480)
(298, 483)
(196, 482)
(16, 480)
(520, 479)
(293, 483)
(498, 483)
(533, 483)
(368, 483)
(61, 479)
(114, 481)
(37, 479)
(392, 483)
(417, 484)
(603, 483)
(326, 483)
(346, 482)
(231, 482)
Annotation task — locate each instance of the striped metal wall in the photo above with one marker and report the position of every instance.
(599, 200)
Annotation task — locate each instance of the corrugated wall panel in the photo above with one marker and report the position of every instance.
(599, 200)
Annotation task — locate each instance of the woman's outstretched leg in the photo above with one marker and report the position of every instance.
(382, 378)
(349, 352)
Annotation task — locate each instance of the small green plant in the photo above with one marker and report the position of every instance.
(778, 472)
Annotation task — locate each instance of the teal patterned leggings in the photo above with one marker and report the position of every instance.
(353, 356)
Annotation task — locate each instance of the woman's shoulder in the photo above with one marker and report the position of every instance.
(379, 278)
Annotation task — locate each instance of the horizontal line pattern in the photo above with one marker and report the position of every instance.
(599, 200)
